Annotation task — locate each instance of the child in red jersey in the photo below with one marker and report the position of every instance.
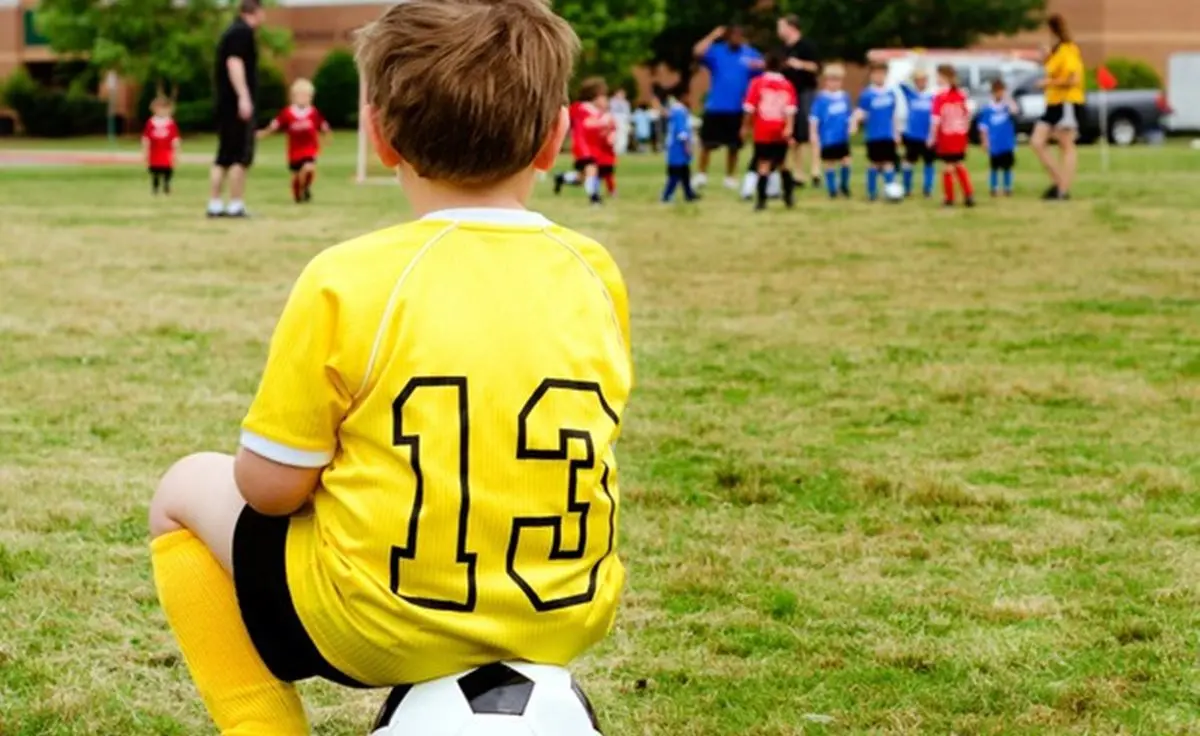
(583, 114)
(602, 136)
(770, 109)
(950, 134)
(304, 126)
(160, 142)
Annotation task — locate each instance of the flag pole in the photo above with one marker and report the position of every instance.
(1104, 154)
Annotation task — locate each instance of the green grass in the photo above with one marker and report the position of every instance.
(887, 470)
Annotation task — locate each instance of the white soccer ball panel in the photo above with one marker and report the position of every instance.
(557, 711)
(894, 191)
(435, 708)
(491, 725)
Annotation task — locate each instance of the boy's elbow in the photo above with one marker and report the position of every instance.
(273, 489)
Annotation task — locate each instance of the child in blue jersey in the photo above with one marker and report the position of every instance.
(919, 98)
(679, 148)
(831, 125)
(643, 127)
(877, 107)
(998, 133)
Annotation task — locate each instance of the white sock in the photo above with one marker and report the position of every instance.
(592, 186)
(235, 206)
(775, 185)
(571, 177)
(216, 206)
(749, 185)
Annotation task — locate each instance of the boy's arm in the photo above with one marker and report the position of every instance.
(271, 128)
(290, 433)
(704, 45)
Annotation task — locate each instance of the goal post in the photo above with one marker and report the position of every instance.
(363, 144)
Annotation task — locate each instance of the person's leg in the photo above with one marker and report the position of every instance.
(889, 173)
(685, 180)
(193, 517)
(994, 180)
(948, 183)
(237, 190)
(763, 169)
(909, 160)
(831, 180)
(155, 180)
(168, 175)
(297, 186)
(873, 182)
(1008, 180)
(216, 181)
(310, 176)
(789, 184)
(846, 173)
(731, 162)
(1040, 143)
(964, 180)
(591, 183)
(1069, 157)
(672, 183)
(705, 157)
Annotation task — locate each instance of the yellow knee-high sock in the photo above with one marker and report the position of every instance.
(198, 597)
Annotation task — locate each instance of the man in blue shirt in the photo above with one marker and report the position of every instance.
(877, 107)
(919, 98)
(731, 63)
(998, 133)
(679, 147)
(831, 124)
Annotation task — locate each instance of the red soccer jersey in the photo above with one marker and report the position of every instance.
(303, 127)
(580, 112)
(953, 121)
(601, 129)
(771, 100)
(162, 133)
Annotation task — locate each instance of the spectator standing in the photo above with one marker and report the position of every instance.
(803, 69)
(622, 112)
(1064, 103)
(236, 90)
(732, 63)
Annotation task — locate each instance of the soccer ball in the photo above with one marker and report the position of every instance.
(509, 699)
(894, 192)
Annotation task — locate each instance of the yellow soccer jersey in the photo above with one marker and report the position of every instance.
(462, 380)
(1065, 61)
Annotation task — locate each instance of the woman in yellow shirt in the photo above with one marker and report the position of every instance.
(1064, 106)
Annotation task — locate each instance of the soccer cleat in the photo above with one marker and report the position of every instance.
(846, 192)
(948, 203)
(1052, 194)
(699, 181)
(731, 183)
(970, 202)
(1008, 192)
(816, 182)
(307, 194)
(559, 182)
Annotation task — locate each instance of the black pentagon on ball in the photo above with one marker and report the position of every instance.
(587, 705)
(496, 689)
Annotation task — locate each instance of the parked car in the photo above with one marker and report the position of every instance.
(1132, 113)
(1182, 73)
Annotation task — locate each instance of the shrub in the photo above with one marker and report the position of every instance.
(1130, 74)
(53, 113)
(196, 116)
(337, 89)
(272, 93)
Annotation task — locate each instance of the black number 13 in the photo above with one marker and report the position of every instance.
(444, 498)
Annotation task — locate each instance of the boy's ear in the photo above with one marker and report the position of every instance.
(383, 148)
(554, 142)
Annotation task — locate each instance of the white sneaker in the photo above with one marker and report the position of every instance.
(731, 183)
(699, 181)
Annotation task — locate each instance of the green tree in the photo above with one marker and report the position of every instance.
(337, 89)
(163, 42)
(616, 34)
(848, 30)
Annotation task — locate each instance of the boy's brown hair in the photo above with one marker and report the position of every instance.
(467, 91)
(948, 73)
(592, 88)
(998, 85)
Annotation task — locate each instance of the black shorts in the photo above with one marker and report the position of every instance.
(300, 163)
(803, 108)
(721, 130)
(160, 170)
(952, 158)
(1062, 117)
(775, 153)
(1003, 161)
(606, 170)
(836, 152)
(583, 163)
(882, 152)
(918, 150)
(235, 142)
(260, 577)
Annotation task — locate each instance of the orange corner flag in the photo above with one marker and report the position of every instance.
(1105, 79)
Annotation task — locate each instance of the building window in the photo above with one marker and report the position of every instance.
(32, 37)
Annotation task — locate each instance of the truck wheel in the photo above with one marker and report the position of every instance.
(1122, 130)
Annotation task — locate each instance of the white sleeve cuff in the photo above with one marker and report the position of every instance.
(283, 454)
(748, 108)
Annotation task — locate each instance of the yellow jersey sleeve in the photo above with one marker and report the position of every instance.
(603, 265)
(304, 394)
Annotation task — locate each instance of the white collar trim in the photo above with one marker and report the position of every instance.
(490, 216)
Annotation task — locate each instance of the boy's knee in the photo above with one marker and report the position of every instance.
(176, 486)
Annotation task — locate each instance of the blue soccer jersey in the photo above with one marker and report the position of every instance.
(831, 112)
(731, 71)
(997, 119)
(920, 113)
(679, 136)
(879, 106)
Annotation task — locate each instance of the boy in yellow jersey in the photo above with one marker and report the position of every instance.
(426, 479)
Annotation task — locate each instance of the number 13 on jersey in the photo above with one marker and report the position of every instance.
(523, 502)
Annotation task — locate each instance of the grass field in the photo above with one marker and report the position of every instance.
(887, 470)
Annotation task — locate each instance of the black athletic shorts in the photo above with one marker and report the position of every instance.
(836, 152)
(583, 163)
(775, 153)
(295, 166)
(952, 158)
(1003, 161)
(803, 108)
(160, 170)
(721, 130)
(882, 152)
(235, 142)
(260, 577)
(606, 170)
(1063, 117)
(918, 150)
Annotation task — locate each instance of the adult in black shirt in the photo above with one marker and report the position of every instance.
(803, 69)
(236, 89)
